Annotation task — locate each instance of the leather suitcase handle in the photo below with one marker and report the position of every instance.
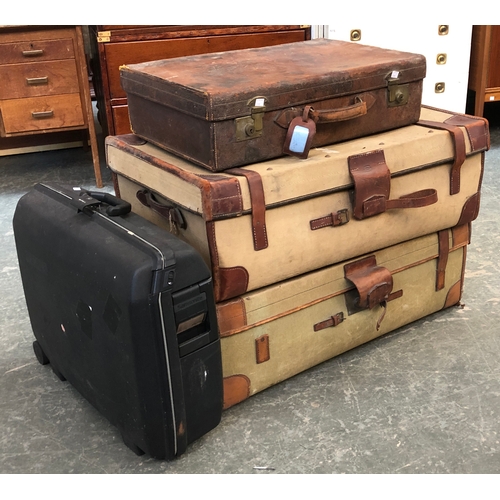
(361, 104)
(171, 213)
(359, 108)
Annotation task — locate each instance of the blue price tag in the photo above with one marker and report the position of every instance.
(299, 139)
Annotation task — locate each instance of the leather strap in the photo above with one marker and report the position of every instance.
(444, 250)
(334, 219)
(372, 184)
(257, 198)
(334, 320)
(459, 149)
(417, 199)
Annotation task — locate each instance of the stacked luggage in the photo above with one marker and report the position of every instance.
(329, 205)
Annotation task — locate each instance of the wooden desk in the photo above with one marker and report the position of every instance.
(45, 94)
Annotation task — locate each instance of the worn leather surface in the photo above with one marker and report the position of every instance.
(169, 102)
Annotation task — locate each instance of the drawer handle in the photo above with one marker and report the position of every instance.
(31, 53)
(42, 114)
(37, 81)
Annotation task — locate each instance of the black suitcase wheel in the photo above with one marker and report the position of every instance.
(59, 375)
(40, 355)
(129, 444)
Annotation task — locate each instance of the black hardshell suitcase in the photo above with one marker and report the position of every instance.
(124, 311)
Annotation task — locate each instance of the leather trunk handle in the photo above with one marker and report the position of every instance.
(359, 108)
(171, 213)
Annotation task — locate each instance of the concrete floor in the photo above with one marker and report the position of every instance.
(422, 399)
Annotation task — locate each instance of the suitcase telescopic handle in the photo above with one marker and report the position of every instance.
(116, 206)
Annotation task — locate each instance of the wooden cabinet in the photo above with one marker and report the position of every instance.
(113, 46)
(484, 75)
(44, 91)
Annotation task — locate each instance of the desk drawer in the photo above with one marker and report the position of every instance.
(40, 113)
(38, 78)
(36, 50)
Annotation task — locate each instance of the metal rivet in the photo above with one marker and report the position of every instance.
(439, 87)
(441, 59)
(355, 35)
(443, 29)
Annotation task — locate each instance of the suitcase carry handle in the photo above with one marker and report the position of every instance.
(171, 213)
(302, 128)
(116, 206)
(359, 108)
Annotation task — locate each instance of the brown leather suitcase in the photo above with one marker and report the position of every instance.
(276, 332)
(235, 108)
(273, 220)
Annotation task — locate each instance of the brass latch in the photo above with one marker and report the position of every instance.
(249, 127)
(103, 36)
(398, 93)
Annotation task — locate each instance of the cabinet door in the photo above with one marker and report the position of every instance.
(447, 53)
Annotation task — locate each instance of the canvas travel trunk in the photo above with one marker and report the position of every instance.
(277, 219)
(276, 332)
(239, 107)
(124, 311)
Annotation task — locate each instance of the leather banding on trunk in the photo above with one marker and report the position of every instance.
(229, 282)
(444, 250)
(231, 316)
(258, 206)
(477, 129)
(470, 210)
(236, 389)
(459, 148)
(461, 235)
(454, 294)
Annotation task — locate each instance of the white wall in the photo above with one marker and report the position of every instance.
(421, 38)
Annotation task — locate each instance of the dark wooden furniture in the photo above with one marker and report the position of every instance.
(44, 90)
(113, 46)
(484, 74)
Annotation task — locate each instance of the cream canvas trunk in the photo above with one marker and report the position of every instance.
(267, 222)
(276, 332)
